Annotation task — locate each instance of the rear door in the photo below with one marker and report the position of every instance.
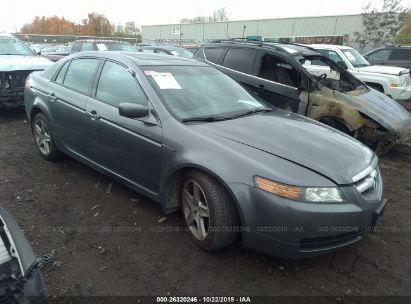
(401, 57)
(379, 57)
(129, 148)
(67, 102)
(239, 64)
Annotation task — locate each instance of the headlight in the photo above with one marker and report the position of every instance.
(306, 194)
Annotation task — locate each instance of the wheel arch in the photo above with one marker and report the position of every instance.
(170, 196)
(375, 85)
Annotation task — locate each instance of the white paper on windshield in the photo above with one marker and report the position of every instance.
(250, 102)
(101, 47)
(350, 56)
(165, 81)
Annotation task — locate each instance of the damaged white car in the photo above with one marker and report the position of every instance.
(17, 61)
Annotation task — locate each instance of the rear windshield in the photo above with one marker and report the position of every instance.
(115, 47)
(12, 46)
(181, 52)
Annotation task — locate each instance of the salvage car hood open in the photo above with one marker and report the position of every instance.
(299, 140)
(10, 63)
(383, 69)
(380, 108)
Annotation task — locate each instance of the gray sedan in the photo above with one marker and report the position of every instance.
(189, 137)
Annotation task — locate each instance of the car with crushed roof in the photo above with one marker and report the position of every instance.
(190, 137)
(17, 61)
(277, 73)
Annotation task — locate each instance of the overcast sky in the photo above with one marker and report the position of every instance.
(16, 13)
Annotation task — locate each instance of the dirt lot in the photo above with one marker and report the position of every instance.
(113, 243)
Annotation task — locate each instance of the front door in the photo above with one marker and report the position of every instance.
(277, 81)
(128, 148)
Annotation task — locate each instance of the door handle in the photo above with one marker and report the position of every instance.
(52, 97)
(93, 114)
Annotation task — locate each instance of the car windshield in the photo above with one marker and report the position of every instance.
(12, 46)
(356, 59)
(194, 92)
(118, 47)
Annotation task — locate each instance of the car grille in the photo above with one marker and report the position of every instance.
(369, 182)
(321, 243)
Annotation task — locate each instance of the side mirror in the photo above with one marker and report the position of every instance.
(342, 64)
(133, 110)
(38, 53)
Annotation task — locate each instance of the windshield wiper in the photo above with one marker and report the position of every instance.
(253, 111)
(206, 118)
(221, 118)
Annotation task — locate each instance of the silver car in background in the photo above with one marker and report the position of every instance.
(17, 61)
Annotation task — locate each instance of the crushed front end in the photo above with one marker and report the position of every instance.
(12, 87)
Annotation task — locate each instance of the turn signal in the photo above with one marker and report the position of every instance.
(290, 192)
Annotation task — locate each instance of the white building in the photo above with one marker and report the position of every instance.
(296, 29)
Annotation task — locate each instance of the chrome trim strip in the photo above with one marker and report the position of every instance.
(366, 171)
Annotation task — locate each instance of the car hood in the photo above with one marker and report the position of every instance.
(380, 108)
(296, 139)
(383, 69)
(10, 63)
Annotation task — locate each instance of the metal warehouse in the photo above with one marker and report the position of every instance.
(325, 29)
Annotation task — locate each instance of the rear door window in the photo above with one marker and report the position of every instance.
(116, 85)
(380, 55)
(80, 74)
(62, 73)
(214, 54)
(401, 54)
(240, 59)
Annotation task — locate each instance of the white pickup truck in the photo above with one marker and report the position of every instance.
(393, 81)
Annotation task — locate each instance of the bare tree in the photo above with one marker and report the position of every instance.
(381, 26)
(218, 15)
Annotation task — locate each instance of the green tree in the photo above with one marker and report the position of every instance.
(381, 26)
(404, 36)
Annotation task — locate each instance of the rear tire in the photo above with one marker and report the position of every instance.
(44, 137)
(209, 212)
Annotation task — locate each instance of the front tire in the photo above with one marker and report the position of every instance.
(208, 211)
(44, 137)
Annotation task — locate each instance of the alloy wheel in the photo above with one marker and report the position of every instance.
(42, 136)
(195, 210)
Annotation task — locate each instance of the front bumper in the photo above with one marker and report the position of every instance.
(400, 93)
(290, 229)
(12, 97)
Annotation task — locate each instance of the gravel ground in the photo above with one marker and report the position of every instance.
(118, 243)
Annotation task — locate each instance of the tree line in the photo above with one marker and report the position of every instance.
(94, 25)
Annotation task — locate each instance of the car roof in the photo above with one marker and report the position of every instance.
(143, 59)
(330, 46)
(7, 35)
(100, 41)
(288, 48)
